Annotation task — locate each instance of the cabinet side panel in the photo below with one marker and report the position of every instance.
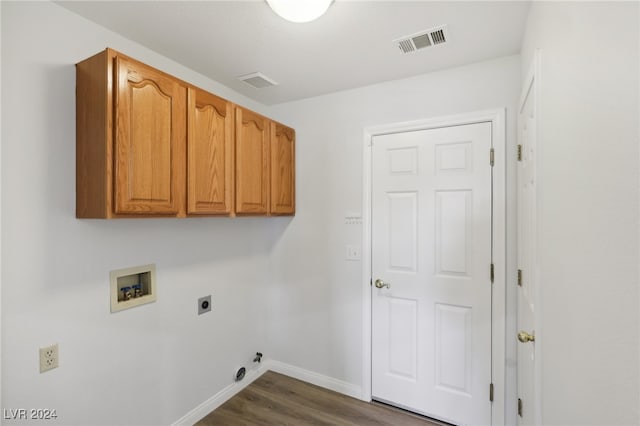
(91, 137)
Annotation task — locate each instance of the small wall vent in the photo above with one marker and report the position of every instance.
(423, 39)
(257, 80)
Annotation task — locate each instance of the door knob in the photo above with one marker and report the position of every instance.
(525, 337)
(381, 284)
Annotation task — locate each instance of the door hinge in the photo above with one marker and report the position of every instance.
(519, 152)
(492, 273)
(520, 277)
(491, 392)
(491, 156)
(519, 407)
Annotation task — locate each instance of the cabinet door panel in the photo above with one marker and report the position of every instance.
(252, 162)
(282, 169)
(209, 147)
(149, 143)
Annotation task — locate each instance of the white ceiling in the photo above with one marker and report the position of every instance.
(350, 46)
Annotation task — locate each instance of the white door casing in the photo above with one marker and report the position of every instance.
(528, 358)
(447, 314)
(431, 243)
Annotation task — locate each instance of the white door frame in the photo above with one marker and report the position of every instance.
(498, 133)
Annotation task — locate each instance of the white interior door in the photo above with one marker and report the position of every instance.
(431, 252)
(527, 259)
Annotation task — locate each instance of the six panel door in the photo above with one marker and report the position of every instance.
(431, 249)
(209, 154)
(150, 133)
(528, 361)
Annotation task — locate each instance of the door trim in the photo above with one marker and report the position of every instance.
(498, 344)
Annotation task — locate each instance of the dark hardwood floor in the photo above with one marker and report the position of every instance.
(275, 399)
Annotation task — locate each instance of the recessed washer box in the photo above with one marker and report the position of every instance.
(132, 287)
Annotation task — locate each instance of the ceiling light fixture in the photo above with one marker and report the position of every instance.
(300, 10)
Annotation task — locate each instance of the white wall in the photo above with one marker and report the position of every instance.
(313, 284)
(149, 365)
(1, 356)
(153, 364)
(589, 195)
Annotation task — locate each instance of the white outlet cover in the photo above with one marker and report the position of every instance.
(49, 358)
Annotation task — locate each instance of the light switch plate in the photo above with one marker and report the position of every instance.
(353, 252)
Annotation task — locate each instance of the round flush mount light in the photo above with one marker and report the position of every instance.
(300, 10)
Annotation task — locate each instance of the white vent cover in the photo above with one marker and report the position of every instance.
(257, 80)
(427, 38)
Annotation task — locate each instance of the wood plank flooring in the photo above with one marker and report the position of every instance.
(275, 399)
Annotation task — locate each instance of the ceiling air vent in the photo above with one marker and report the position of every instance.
(426, 38)
(257, 80)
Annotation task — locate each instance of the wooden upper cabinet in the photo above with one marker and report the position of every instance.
(209, 154)
(252, 162)
(151, 145)
(150, 135)
(283, 185)
(131, 130)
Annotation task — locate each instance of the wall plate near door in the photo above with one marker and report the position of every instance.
(353, 252)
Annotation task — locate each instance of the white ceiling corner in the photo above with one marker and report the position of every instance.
(352, 45)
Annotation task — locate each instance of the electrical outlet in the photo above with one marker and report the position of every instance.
(204, 305)
(49, 358)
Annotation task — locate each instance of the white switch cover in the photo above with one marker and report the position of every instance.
(353, 252)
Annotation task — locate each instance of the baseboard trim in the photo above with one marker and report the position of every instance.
(221, 397)
(326, 382)
(228, 392)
